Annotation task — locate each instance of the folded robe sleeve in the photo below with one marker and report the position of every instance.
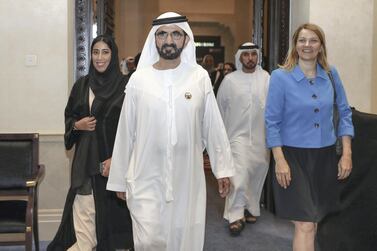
(215, 138)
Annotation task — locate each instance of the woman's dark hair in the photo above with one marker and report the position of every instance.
(104, 38)
(231, 65)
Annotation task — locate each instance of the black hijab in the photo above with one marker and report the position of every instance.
(105, 84)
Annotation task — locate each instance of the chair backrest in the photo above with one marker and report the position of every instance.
(18, 159)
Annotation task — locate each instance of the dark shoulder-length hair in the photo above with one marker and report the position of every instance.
(231, 65)
(292, 56)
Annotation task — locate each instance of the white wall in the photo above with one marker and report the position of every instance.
(32, 98)
(299, 14)
(374, 65)
(348, 26)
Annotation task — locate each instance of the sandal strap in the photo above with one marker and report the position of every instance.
(238, 223)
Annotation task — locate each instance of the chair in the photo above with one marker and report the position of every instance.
(20, 175)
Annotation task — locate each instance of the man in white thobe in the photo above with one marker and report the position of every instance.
(241, 99)
(169, 116)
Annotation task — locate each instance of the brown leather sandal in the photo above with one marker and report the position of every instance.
(249, 218)
(236, 227)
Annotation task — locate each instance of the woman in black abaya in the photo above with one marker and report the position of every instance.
(93, 217)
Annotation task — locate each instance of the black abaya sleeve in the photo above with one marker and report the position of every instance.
(77, 108)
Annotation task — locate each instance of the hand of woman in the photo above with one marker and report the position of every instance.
(86, 124)
(106, 167)
(224, 185)
(345, 162)
(121, 195)
(283, 172)
(344, 166)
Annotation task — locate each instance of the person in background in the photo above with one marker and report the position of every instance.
(169, 116)
(93, 217)
(219, 67)
(227, 68)
(301, 134)
(123, 67)
(208, 64)
(241, 99)
(131, 66)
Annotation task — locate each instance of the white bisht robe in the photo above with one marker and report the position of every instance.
(241, 99)
(167, 119)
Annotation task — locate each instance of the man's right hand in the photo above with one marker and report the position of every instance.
(224, 186)
(86, 124)
(121, 195)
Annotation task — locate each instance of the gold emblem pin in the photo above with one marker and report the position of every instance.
(188, 95)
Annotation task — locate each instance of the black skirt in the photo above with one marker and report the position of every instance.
(314, 188)
(113, 220)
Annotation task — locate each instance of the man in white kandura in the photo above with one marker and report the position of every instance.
(169, 116)
(241, 99)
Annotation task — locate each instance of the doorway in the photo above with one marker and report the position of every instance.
(225, 23)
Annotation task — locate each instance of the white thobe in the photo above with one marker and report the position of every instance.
(167, 119)
(241, 100)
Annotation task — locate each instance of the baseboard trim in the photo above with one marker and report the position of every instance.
(49, 221)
